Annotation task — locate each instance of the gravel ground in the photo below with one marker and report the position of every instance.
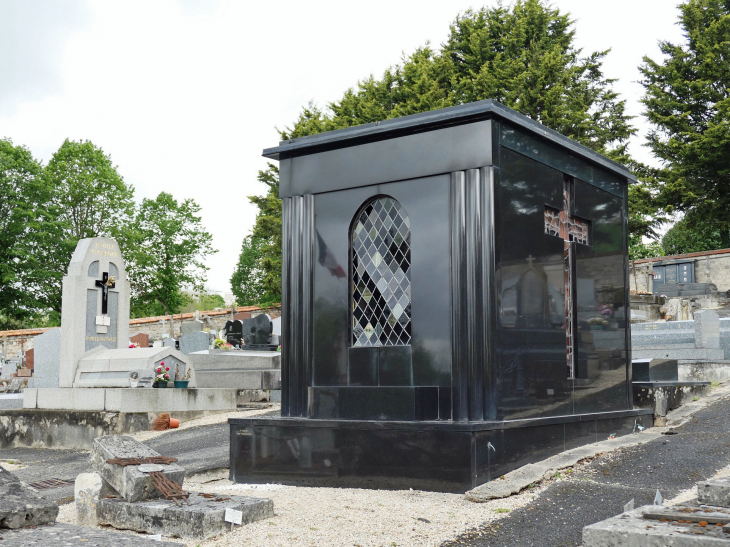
(346, 516)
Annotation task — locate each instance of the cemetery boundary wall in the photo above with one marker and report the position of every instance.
(13, 341)
(711, 267)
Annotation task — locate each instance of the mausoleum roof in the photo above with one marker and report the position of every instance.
(432, 120)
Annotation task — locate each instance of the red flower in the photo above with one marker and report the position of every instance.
(167, 368)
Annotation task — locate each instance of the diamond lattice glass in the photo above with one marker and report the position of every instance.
(381, 275)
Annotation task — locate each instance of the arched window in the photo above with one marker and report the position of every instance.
(381, 274)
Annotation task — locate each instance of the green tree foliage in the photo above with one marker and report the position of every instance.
(166, 246)
(523, 56)
(90, 199)
(257, 276)
(687, 236)
(24, 197)
(687, 101)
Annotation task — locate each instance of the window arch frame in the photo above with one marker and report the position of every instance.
(351, 274)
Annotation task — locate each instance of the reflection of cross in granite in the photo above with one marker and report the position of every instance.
(105, 283)
(571, 230)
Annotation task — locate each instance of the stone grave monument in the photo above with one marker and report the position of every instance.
(194, 341)
(258, 334)
(47, 359)
(191, 326)
(146, 494)
(141, 339)
(233, 332)
(95, 305)
(438, 271)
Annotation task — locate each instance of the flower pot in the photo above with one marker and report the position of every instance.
(133, 383)
(159, 384)
(174, 423)
(182, 383)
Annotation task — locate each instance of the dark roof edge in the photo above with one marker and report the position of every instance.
(428, 121)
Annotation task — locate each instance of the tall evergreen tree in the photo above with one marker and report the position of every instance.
(524, 56)
(687, 99)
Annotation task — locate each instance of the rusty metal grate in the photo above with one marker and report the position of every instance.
(170, 489)
(161, 460)
(49, 483)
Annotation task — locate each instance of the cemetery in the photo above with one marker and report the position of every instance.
(465, 311)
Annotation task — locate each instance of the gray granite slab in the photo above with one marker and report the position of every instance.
(203, 518)
(70, 535)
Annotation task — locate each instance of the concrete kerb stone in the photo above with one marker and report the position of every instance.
(21, 507)
(203, 518)
(129, 481)
(519, 479)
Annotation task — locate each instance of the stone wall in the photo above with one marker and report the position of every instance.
(710, 267)
(12, 341)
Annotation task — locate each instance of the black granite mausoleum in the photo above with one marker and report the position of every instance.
(455, 303)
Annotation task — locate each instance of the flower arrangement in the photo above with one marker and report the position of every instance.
(133, 345)
(607, 310)
(597, 321)
(162, 373)
(221, 344)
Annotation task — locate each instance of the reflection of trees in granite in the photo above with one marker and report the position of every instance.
(330, 342)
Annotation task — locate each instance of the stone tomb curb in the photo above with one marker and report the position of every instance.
(21, 507)
(203, 518)
(129, 481)
(63, 535)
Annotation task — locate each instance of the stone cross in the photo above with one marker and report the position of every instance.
(95, 304)
(572, 230)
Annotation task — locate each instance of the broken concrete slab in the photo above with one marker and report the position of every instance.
(21, 507)
(714, 492)
(632, 529)
(89, 488)
(131, 483)
(203, 518)
(65, 535)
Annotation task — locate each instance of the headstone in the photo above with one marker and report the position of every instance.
(21, 507)
(95, 306)
(195, 341)
(257, 333)
(168, 342)
(47, 349)
(707, 329)
(191, 326)
(655, 370)
(141, 339)
(30, 359)
(234, 332)
(131, 484)
(276, 326)
(157, 344)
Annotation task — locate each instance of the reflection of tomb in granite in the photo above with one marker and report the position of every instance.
(454, 296)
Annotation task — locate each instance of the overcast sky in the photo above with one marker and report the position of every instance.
(185, 94)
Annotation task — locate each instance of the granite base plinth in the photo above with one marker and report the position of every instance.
(438, 455)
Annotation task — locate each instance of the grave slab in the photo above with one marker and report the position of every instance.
(47, 359)
(191, 326)
(632, 529)
(113, 368)
(203, 518)
(67, 535)
(21, 507)
(129, 481)
(237, 369)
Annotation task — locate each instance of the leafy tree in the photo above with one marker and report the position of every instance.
(692, 236)
(24, 196)
(687, 100)
(90, 199)
(167, 246)
(247, 281)
(523, 56)
(257, 277)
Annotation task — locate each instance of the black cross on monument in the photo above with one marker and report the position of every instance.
(571, 230)
(105, 283)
